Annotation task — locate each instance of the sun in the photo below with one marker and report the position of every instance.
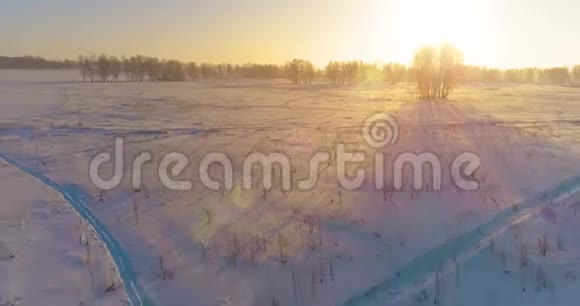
(416, 23)
(434, 22)
(391, 31)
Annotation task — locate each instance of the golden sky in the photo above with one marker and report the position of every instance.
(496, 33)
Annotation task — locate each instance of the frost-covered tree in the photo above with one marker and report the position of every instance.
(300, 71)
(556, 75)
(576, 73)
(173, 71)
(153, 68)
(394, 73)
(436, 70)
(103, 68)
(192, 71)
(84, 67)
(115, 67)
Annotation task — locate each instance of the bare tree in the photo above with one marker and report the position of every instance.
(300, 71)
(556, 75)
(436, 70)
(192, 70)
(127, 69)
(115, 67)
(103, 68)
(394, 73)
(576, 73)
(333, 71)
(92, 62)
(84, 67)
(173, 71)
(152, 68)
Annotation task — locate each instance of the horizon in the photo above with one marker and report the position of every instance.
(261, 32)
(321, 67)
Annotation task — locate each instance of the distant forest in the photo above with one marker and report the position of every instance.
(34, 62)
(103, 68)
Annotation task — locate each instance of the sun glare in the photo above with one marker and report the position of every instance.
(420, 22)
(415, 23)
(440, 21)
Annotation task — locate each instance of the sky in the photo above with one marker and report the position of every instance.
(494, 33)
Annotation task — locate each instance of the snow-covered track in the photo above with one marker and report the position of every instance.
(420, 271)
(135, 292)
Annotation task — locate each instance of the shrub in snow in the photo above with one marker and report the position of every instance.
(5, 252)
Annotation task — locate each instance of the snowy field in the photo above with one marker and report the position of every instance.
(513, 241)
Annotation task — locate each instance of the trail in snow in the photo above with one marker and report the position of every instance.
(135, 292)
(422, 268)
(421, 271)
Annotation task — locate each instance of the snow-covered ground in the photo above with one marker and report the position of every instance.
(48, 255)
(325, 246)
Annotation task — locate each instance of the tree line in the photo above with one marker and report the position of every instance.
(437, 70)
(34, 62)
(444, 63)
(554, 75)
(139, 68)
(142, 68)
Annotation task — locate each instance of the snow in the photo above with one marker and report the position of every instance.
(362, 247)
(48, 256)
